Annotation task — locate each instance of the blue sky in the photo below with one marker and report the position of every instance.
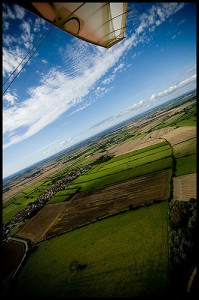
(71, 90)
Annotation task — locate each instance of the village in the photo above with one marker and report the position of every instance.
(34, 207)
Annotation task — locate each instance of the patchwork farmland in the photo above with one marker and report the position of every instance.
(125, 255)
(106, 232)
(89, 207)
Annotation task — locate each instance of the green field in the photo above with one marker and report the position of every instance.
(19, 202)
(126, 166)
(185, 148)
(137, 155)
(123, 164)
(186, 165)
(187, 122)
(125, 255)
(120, 168)
(186, 118)
(62, 195)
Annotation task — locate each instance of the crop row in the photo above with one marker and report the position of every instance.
(127, 164)
(122, 175)
(131, 156)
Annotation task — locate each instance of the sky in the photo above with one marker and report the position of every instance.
(71, 90)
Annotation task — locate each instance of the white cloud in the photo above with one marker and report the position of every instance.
(109, 79)
(44, 61)
(146, 103)
(157, 14)
(20, 12)
(27, 37)
(119, 67)
(17, 12)
(39, 24)
(10, 97)
(9, 40)
(59, 91)
(173, 88)
(181, 22)
(6, 25)
(8, 13)
(15, 47)
(58, 146)
(11, 59)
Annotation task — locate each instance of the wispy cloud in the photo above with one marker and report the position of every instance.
(147, 102)
(16, 13)
(11, 59)
(27, 36)
(10, 97)
(61, 145)
(49, 100)
(15, 47)
(20, 12)
(173, 88)
(44, 61)
(59, 91)
(109, 79)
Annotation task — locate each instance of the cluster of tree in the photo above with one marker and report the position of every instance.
(183, 241)
(102, 158)
(143, 204)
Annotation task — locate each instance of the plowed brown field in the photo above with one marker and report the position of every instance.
(184, 187)
(86, 208)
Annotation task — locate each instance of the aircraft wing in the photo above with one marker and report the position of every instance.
(102, 24)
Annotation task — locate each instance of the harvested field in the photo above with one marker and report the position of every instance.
(36, 227)
(136, 144)
(159, 133)
(87, 207)
(185, 187)
(180, 134)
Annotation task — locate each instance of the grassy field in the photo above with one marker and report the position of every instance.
(187, 118)
(62, 196)
(150, 152)
(125, 255)
(121, 165)
(19, 202)
(120, 168)
(185, 148)
(126, 174)
(186, 165)
(126, 166)
(187, 122)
